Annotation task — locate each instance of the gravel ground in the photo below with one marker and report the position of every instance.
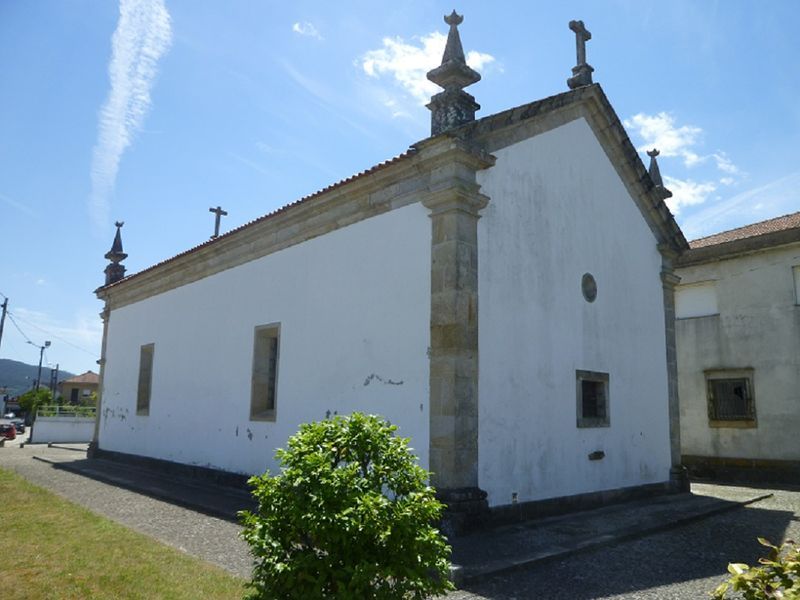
(684, 563)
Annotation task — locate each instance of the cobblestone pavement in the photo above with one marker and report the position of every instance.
(683, 563)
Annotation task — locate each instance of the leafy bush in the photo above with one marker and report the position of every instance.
(349, 516)
(30, 400)
(778, 577)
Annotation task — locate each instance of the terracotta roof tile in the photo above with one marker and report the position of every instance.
(88, 377)
(783, 223)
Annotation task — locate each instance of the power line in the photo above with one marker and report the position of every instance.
(53, 335)
(22, 333)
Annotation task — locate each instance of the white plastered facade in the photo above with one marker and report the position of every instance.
(353, 307)
(558, 210)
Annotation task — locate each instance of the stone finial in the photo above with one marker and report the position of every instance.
(582, 72)
(453, 106)
(114, 270)
(655, 174)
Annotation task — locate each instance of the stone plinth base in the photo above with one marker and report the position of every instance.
(466, 510)
(679, 478)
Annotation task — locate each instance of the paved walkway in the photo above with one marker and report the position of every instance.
(201, 518)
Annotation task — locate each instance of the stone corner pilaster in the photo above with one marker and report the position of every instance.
(105, 315)
(454, 200)
(669, 280)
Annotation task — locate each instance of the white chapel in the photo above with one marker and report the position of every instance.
(502, 291)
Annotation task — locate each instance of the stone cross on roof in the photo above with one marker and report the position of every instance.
(219, 213)
(582, 72)
(453, 106)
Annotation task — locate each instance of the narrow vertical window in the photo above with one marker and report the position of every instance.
(263, 400)
(145, 379)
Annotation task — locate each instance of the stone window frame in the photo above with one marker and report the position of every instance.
(264, 407)
(595, 377)
(796, 282)
(144, 389)
(748, 421)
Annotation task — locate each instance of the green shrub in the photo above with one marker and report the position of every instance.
(349, 516)
(31, 400)
(778, 577)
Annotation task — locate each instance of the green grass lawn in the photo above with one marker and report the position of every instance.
(51, 548)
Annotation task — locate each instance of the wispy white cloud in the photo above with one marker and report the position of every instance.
(142, 36)
(406, 64)
(18, 205)
(660, 131)
(250, 163)
(772, 199)
(724, 163)
(327, 98)
(686, 192)
(307, 29)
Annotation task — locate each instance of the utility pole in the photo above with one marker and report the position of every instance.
(3, 319)
(54, 382)
(39, 373)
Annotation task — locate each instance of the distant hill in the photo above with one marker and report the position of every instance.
(18, 377)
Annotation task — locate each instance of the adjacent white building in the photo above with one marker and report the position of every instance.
(502, 292)
(738, 333)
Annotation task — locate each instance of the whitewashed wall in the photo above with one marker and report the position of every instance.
(62, 430)
(758, 326)
(354, 309)
(558, 210)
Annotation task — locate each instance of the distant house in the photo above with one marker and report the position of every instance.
(738, 341)
(80, 387)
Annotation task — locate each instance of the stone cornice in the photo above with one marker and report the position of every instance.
(403, 182)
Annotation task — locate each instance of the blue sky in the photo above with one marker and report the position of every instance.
(152, 111)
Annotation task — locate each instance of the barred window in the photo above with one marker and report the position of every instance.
(592, 396)
(730, 398)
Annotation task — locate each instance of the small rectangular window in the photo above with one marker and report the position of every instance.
(796, 273)
(592, 395)
(730, 398)
(145, 379)
(263, 399)
(696, 300)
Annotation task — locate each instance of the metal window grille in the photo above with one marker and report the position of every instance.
(730, 400)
